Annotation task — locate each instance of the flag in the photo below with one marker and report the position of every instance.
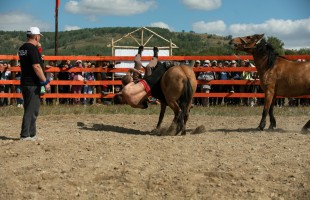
(57, 4)
(56, 7)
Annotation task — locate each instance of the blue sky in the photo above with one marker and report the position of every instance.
(288, 20)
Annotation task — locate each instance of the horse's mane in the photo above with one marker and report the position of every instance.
(267, 49)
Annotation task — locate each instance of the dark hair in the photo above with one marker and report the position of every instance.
(31, 36)
(126, 79)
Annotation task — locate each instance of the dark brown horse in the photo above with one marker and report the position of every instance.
(278, 76)
(178, 85)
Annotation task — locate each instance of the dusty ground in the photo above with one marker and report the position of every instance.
(114, 157)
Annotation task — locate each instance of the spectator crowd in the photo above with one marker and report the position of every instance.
(204, 75)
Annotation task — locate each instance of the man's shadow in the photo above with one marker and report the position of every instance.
(8, 138)
(112, 128)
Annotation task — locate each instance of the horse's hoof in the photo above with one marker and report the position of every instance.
(260, 128)
(155, 132)
(175, 133)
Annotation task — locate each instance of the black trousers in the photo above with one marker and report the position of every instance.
(156, 75)
(154, 81)
(31, 95)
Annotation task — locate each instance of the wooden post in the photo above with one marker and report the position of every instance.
(56, 41)
(98, 76)
(56, 27)
(13, 87)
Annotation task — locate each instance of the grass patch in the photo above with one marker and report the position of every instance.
(99, 109)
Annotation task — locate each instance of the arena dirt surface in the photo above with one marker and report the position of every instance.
(115, 157)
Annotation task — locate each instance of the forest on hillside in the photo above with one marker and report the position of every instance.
(97, 41)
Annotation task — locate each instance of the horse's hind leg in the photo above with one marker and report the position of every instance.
(180, 123)
(183, 130)
(186, 116)
(305, 128)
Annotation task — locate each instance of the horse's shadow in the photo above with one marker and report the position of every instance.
(123, 130)
(117, 129)
(112, 128)
(249, 130)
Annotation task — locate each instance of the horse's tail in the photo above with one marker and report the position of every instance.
(184, 101)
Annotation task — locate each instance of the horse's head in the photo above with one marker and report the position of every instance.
(246, 43)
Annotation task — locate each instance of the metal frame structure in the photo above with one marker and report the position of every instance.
(141, 41)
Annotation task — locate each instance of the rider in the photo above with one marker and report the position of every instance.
(136, 94)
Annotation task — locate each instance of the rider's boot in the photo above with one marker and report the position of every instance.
(140, 49)
(155, 50)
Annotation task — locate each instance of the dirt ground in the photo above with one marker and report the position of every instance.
(115, 157)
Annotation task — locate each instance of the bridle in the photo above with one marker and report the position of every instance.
(246, 45)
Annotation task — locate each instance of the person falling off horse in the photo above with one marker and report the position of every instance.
(135, 91)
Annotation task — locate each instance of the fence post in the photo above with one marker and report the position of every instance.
(98, 78)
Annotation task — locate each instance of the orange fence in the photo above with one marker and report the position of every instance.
(99, 83)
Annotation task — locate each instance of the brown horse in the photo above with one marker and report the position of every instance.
(278, 76)
(178, 85)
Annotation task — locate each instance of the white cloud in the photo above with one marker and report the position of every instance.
(294, 33)
(215, 27)
(203, 4)
(21, 22)
(160, 25)
(109, 7)
(71, 28)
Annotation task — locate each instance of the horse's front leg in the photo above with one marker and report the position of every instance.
(173, 129)
(268, 101)
(163, 107)
(160, 119)
(273, 122)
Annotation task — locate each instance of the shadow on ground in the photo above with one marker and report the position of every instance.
(123, 130)
(249, 130)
